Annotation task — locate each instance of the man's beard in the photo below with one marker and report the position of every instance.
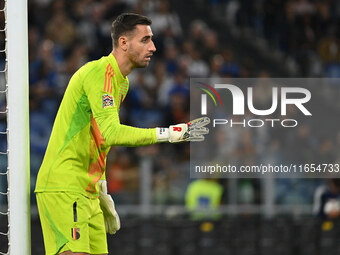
(136, 63)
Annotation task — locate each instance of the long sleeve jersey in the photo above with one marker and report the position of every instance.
(86, 126)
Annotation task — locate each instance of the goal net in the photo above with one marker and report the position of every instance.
(14, 129)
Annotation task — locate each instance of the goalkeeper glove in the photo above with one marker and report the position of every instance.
(193, 131)
(111, 218)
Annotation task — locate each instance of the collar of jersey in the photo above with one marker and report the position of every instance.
(114, 63)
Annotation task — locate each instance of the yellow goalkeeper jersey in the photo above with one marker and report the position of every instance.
(86, 126)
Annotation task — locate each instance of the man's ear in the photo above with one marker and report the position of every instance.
(123, 42)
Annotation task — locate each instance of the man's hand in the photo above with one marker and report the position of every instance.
(111, 218)
(192, 131)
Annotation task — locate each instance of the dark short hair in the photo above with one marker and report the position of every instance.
(126, 23)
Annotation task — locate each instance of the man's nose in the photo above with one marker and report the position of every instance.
(152, 47)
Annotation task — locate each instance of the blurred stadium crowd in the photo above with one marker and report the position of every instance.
(306, 30)
(64, 35)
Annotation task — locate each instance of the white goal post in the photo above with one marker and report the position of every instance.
(18, 128)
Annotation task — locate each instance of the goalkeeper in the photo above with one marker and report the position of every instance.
(74, 207)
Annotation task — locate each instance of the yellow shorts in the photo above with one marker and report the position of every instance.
(71, 221)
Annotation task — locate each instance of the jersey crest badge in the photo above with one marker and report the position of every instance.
(75, 232)
(107, 101)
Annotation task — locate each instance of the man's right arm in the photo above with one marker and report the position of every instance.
(117, 134)
(106, 116)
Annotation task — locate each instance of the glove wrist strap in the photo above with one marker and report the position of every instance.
(162, 135)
